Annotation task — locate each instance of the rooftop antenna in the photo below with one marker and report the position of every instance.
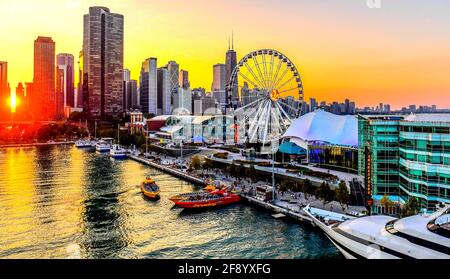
(232, 40)
(228, 42)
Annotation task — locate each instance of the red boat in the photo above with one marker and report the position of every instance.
(208, 200)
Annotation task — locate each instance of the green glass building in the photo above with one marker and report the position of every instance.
(403, 157)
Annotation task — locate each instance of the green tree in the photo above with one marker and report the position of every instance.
(386, 203)
(342, 194)
(308, 188)
(324, 193)
(196, 163)
(411, 207)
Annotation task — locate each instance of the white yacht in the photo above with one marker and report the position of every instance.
(83, 143)
(420, 236)
(104, 145)
(118, 152)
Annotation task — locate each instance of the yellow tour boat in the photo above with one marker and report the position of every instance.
(150, 189)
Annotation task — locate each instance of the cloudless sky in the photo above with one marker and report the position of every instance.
(398, 54)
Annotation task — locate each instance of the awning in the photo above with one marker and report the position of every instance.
(291, 149)
(198, 139)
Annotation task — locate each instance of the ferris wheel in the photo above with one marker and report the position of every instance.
(266, 92)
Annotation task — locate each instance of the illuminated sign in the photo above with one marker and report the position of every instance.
(368, 176)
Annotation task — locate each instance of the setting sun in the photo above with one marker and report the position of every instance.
(13, 102)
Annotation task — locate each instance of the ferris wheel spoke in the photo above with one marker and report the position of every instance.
(281, 78)
(247, 79)
(276, 120)
(275, 77)
(284, 112)
(291, 89)
(280, 118)
(257, 122)
(266, 76)
(291, 108)
(271, 72)
(267, 122)
(286, 82)
(255, 60)
(254, 76)
(250, 104)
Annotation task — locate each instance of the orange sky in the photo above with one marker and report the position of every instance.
(398, 54)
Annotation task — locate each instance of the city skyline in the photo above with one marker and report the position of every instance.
(374, 62)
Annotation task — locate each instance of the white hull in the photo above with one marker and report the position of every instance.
(367, 238)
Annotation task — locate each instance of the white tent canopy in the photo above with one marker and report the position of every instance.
(325, 127)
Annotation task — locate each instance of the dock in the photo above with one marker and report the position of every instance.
(297, 215)
(171, 171)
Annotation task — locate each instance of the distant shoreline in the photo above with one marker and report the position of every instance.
(12, 145)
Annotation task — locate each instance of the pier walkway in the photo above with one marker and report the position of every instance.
(169, 170)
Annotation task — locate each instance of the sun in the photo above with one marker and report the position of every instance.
(13, 102)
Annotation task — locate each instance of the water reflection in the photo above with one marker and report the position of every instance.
(58, 198)
(103, 229)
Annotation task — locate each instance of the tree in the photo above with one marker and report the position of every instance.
(411, 207)
(386, 203)
(196, 163)
(307, 187)
(324, 193)
(342, 194)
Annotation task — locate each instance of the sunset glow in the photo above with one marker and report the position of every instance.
(397, 54)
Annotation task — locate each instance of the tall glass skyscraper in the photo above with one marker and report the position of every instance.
(44, 97)
(4, 94)
(65, 81)
(219, 83)
(103, 63)
(405, 156)
(164, 92)
(230, 64)
(148, 86)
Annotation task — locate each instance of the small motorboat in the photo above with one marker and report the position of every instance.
(208, 200)
(150, 189)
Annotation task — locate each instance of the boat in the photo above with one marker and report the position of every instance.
(150, 189)
(180, 197)
(83, 143)
(104, 145)
(117, 152)
(208, 200)
(422, 236)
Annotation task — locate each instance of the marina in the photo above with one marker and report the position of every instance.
(98, 208)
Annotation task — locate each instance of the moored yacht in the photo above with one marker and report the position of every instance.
(104, 145)
(83, 143)
(420, 236)
(117, 152)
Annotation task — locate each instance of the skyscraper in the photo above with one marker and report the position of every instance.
(230, 64)
(164, 92)
(184, 79)
(103, 63)
(3, 88)
(132, 91)
(126, 96)
(59, 93)
(44, 97)
(173, 69)
(148, 86)
(79, 97)
(219, 83)
(182, 101)
(65, 62)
